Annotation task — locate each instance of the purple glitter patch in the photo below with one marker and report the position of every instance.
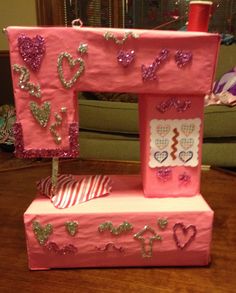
(178, 104)
(184, 178)
(149, 72)
(69, 249)
(182, 58)
(32, 50)
(20, 151)
(125, 58)
(164, 174)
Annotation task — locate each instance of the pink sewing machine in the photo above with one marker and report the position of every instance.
(167, 222)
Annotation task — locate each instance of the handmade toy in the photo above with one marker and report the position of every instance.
(172, 72)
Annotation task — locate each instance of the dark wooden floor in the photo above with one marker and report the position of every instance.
(17, 189)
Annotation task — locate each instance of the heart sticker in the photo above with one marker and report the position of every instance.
(72, 63)
(162, 143)
(41, 114)
(183, 236)
(187, 129)
(161, 156)
(186, 143)
(163, 130)
(32, 50)
(185, 156)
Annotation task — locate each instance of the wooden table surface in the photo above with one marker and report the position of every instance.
(17, 189)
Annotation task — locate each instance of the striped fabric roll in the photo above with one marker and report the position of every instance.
(71, 191)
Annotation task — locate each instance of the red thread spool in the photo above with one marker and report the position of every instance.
(199, 15)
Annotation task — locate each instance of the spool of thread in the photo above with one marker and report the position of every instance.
(199, 15)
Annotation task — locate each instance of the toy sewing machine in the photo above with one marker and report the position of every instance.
(156, 219)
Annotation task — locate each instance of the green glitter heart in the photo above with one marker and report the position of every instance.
(42, 233)
(72, 227)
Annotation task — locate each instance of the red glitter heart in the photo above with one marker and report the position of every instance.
(183, 236)
(32, 50)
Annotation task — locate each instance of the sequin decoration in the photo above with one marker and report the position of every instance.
(183, 236)
(184, 178)
(21, 152)
(42, 233)
(69, 249)
(72, 63)
(110, 246)
(162, 223)
(41, 114)
(83, 48)
(110, 36)
(183, 58)
(164, 174)
(147, 242)
(72, 227)
(179, 104)
(125, 58)
(24, 83)
(58, 118)
(108, 226)
(149, 72)
(32, 50)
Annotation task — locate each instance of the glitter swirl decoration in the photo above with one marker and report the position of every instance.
(57, 138)
(42, 233)
(72, 227)
(24, 83)
(110, 36)
(41, 114)
(122, 228)
(32, 50)
(69, 249)
(72, 63)
(149, 72)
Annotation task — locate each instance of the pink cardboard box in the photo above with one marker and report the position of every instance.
(122, 229)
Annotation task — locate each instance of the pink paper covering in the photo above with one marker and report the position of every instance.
(102, 72)
(91, 248)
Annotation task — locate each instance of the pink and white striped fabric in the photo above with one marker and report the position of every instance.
(71, 191)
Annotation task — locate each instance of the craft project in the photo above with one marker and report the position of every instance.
(103, 220)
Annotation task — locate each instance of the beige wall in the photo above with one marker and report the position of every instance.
(16, 12)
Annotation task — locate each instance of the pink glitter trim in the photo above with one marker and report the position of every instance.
(178, 104)
(69, 249)
(20, 151)
(191, 230)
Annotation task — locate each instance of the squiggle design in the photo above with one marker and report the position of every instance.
(175, 142)
(58, 123)
(110, 246)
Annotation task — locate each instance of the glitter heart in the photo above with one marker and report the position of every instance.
(182, 58)
(187, 129)
(163, 130)
(41, 114)
(72, 63)
(183, 236)
(32, 50)
(162, 143)
(186, 143)
(72, 227)
(42, 233)
(125, 58)
(185, 156)
(161, 156)
(164, 174)
(162, 223)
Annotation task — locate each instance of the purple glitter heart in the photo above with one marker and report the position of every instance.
(125, 58)
(184, 178)
(32, 50)
(182, 58)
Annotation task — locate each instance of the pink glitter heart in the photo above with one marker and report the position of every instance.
(183, 235)
(125, 58)
(32, 50)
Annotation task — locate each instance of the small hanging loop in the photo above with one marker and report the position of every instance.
(77, 23)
